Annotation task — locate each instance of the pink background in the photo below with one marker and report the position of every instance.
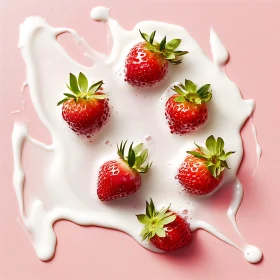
(250, 30)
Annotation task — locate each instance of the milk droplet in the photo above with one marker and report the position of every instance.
(252, 254)
(148, 138)
(24, 85)
(15, 112)
(100, 14)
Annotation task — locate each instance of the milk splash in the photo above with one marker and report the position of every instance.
(258, 147)
(218, 49)
(69, 188)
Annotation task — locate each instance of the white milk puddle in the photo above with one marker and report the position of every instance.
(69, 188)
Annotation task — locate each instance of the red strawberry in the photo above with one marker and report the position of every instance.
(85, 109)
(120, 178)
(147, 62)
(187, 110)
(203, 169)
(166, 229)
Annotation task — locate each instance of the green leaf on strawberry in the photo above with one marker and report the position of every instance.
(145, 36)
(135, 158)
(79, 89)
(70, 95)
(214, 155)
(62, 101)
(83, 82)
(180, 99)
(155, 221)
(131, 156)
(95, 87)
(190, 86)
(173, 44)
(73, 84)
(189, 92)
(138, 149)
(151, 40)
(162, 44)
(166, 49)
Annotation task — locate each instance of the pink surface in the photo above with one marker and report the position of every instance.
(249, 30)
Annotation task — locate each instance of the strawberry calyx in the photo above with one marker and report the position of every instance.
(155, 221)
(214, 155)
(135, 158)
(189, 92)
(166, 49)
(79, 89)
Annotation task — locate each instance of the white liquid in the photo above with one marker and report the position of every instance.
(258, 147)
(22, 110)
(15, 112)
(100, 14)
(69, 190)
(24, 86)
(218, 49)
(252, 254)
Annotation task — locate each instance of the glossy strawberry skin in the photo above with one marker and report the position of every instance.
(116, 180)
(144, 68)
(178, 235)
(194, 176)
(85, 117)
(184, 117)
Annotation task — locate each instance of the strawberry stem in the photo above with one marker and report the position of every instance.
(155, 221)
(166, 49)
(189, 92)
(79, 89)
(136, 157)
(214, 155)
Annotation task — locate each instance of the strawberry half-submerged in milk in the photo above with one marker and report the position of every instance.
(203, 169)
(186, 110)
(147, 62)
(165, 229)
(86, 108)
(121, 178)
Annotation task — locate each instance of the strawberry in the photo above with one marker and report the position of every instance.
(165, 229)
(203, 169)
(85, 109)
(186, 110)
(120, 178)
(147, 62)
